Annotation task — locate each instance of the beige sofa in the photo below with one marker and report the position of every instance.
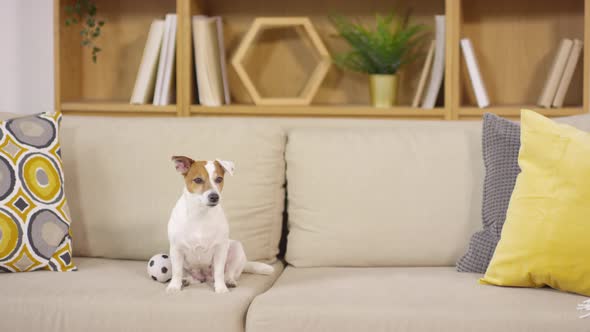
(345, 271)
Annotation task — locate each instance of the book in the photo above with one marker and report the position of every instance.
(143, 90)
(568, 73)
(204, 69)
(424, 75)
(479, 88)
(166, 93)
(555, 73)
(162, 63)
(222, 60)
(438, 66)
(210, 61)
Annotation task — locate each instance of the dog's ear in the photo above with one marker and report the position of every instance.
(182, 164)
(227, 165)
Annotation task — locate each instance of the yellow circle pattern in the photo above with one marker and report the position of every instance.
(44, 192)
(10, 235)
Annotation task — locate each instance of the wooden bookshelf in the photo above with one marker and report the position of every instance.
(83, 86)
(514, 41)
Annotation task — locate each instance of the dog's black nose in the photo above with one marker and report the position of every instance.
(213, 198)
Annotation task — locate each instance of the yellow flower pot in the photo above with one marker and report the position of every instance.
(383, 90)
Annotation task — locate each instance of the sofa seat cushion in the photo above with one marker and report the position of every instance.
(117, 295)
(406, 299)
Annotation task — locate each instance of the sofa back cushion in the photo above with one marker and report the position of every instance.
(6, 116)
(122, 184)
(405, 196)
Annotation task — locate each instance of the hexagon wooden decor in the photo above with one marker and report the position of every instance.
(312, 83)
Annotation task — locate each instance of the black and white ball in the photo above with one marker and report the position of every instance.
(159, 268)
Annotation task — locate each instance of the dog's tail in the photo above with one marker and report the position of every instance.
(258, 268)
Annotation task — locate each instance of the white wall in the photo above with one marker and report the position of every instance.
(26, 56)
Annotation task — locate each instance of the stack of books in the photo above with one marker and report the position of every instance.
(561, 73)
(156, 75)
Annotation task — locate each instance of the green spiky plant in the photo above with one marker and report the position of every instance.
(392, 44)
(84, 12)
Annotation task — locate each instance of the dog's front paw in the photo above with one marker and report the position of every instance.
(174, 287)
(221, 288)
(230, 283)
(188, 280)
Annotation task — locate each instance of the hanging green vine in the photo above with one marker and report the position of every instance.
(83, 12)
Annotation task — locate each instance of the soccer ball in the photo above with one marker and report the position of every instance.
(159, 268)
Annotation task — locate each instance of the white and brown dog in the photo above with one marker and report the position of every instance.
(198, 231)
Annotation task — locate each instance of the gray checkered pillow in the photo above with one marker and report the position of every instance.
(501, 143)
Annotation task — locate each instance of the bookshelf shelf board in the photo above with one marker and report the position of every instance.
(514, 111)
(319, 111)
(112, 107)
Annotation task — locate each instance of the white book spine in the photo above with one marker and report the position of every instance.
(555, 73)
(200, 40)
(211, 60)
(438, 66)
(568, 73)
(162, 64)
(220, 44)
(165, 96)
(424, 75)
(479, 88)
(144, 82)
(194, 30)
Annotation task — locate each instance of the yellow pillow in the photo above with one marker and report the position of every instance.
(546, 237)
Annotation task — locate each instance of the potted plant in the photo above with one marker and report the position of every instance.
(379, 52)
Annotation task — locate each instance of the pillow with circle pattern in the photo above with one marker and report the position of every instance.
(34, 217)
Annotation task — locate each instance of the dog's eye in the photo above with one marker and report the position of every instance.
(198, 180)
(218, 179)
